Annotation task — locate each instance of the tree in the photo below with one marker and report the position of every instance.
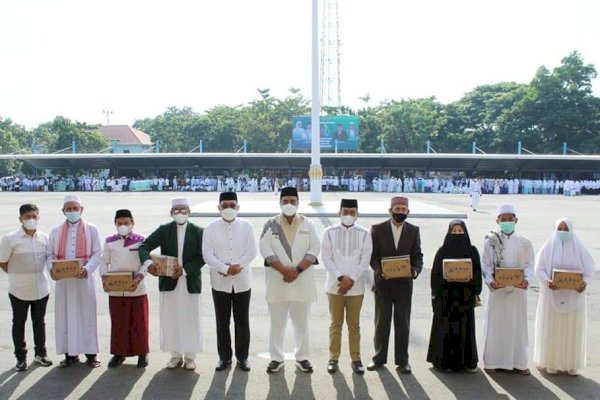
(61, 132)
(406, 125)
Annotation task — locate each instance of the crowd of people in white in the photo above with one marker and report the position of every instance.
(245, 183)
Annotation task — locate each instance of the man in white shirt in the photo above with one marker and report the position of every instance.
(505, 325)
(346, 250)
(23, 258)
(75, 298)
(228, 248)
(129, 309)
(290, 245)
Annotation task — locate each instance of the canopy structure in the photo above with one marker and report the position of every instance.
(340, 161)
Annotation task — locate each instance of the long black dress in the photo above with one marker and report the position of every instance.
(452, 343)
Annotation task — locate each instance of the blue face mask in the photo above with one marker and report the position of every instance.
(73, 216)
(507, 227)
(563, 235)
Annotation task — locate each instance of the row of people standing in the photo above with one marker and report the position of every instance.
(560, 327)
(290, 246)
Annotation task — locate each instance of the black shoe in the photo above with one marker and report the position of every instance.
(115, 361)
(358, 368)
(21, 365)
(244, 365)
(142, 361)
(221, 365)
(304, 366)
(374, 366)
(274, 366)
(44, 361)
(405, 369)
(68, 361)
(332, 366)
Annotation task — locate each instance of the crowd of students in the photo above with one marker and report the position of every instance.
(245, 183)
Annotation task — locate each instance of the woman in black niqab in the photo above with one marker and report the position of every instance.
(452, 344)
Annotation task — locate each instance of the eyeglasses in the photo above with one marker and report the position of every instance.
(180, 211)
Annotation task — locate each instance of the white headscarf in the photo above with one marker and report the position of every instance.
(569, 255)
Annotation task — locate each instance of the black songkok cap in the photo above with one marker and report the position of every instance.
(349, 203)
(288, 191)
(123, 214)
(225, 196)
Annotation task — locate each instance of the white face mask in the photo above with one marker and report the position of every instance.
(228, 214)
(348, 220)
(288, 209)
(30, 224)
(124, 229)
(180, 218)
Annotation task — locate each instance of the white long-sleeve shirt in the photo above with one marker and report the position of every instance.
(227, 243)
(346, 251)
(121, 255)
(518, 253)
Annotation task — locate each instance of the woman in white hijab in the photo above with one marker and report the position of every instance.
(561, 318)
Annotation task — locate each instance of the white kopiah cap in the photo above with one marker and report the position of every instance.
(506, 209)
(180, 201)
(72, 198)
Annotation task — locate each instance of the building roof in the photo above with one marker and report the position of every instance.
(433, 162)
(125, 135)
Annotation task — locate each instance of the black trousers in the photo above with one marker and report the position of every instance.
(38, 315)
(240, 304)
(398, 304)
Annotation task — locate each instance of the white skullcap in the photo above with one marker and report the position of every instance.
(180, 201)
(506, 209)
(72, 198)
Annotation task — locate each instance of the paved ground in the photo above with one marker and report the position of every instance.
(537, 215)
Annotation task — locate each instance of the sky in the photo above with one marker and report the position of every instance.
(135, 58)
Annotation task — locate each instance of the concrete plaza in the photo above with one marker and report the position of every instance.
(537, 215)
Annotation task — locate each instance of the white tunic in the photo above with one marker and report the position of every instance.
(75, 299)
(274, 245)
(561, 318)
(505, 325)
(346, 251)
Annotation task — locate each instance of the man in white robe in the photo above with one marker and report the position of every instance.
(75, 298)
(505, 325)
(180, 300)
(475, 193)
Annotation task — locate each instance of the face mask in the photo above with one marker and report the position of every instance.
(180, 218)
(563, 235)
(507, 227)
(73, 216)
(348, 220)
(123, 229)
(289, 209)
(228, 214)
(30, 224)
(398, 217)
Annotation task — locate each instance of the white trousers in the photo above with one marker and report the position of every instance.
(298, 312)
(475, 199)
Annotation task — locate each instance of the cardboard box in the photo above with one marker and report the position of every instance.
(458, 269)
(565, 279)
(165, 264)
(117, 281)
(396, 267)
(509, 276)
(64, 269)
